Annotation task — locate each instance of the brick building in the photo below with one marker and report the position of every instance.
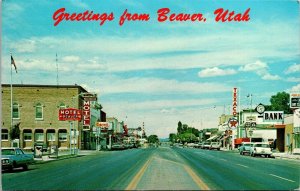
(35, 112)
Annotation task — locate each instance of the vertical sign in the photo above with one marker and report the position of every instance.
(86, 114)
(234, 102)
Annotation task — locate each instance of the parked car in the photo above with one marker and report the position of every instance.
(206, 145)
(244, 148)
(14, 158)
(260, 148)
(215, 145)
(191, 145)
(118, 146)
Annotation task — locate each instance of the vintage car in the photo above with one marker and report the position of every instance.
(215, 145)
(206, 145)
(244, 148)
(14, 158)
(260, 148)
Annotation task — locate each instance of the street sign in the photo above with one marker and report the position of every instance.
(87, 96)
(233, 123)
(295, 100)
(69, 114)
(102, 124)
(250, 124)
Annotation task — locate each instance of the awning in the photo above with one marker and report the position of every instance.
(212, 138)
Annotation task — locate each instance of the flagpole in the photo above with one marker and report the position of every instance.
(11, 97)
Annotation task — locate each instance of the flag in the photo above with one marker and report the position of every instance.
(13, 63)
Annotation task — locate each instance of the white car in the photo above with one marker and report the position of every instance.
(215, 145)
(260, 148)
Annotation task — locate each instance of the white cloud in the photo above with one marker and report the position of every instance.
(293, 69)
(24, 46)
(295, 88)
(270, 77)
(293, 79)
(261, 69)
(256, 66)
(156, 85)
(215, 71)
(70, 59)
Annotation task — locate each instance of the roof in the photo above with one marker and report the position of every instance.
(46, 86)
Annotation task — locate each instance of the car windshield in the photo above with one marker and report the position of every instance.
(248, 144)
(7, 151)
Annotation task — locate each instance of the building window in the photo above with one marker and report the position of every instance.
(27, 135)
(63, 136)
(4, 135)
(39, 111)
(15, 111)
(39, 137)
(50, 136)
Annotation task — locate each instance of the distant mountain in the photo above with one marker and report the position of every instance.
(163, 139)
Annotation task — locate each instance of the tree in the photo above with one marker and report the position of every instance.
(179, 128)
(185, 127)
(280, 102)
(172, 137)
(153, 139)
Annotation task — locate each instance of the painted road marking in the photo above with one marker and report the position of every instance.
(243, 165)
(223, 159)
(281, 178)
(196, 179)
(138, 176)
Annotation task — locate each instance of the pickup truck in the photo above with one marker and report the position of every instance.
(15, 157)
(244, 148)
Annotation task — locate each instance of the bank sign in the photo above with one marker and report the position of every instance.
(273, 116)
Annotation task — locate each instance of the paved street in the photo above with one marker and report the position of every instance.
(158, 168)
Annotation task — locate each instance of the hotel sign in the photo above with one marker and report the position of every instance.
(69, 114)
(86, 115)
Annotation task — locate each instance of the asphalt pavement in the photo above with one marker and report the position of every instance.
(161, 168)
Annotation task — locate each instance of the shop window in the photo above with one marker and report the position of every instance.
(39, 137)
(38, 111)
(63, 136)
(27, 135)
(4, 134)
(50, 136)
(15, 111)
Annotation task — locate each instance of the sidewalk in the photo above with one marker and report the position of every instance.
(65, 155)
(286, 156)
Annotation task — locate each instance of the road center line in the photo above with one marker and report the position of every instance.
(281, 178)
(196, 179)
(243, 165)
(132, 185)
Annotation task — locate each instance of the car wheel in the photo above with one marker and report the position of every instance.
(25, 167)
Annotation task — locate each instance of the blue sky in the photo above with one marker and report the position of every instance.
(154, 72)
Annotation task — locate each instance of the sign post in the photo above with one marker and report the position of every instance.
(70, 114)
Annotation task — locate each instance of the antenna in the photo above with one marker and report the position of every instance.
(56, 60)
